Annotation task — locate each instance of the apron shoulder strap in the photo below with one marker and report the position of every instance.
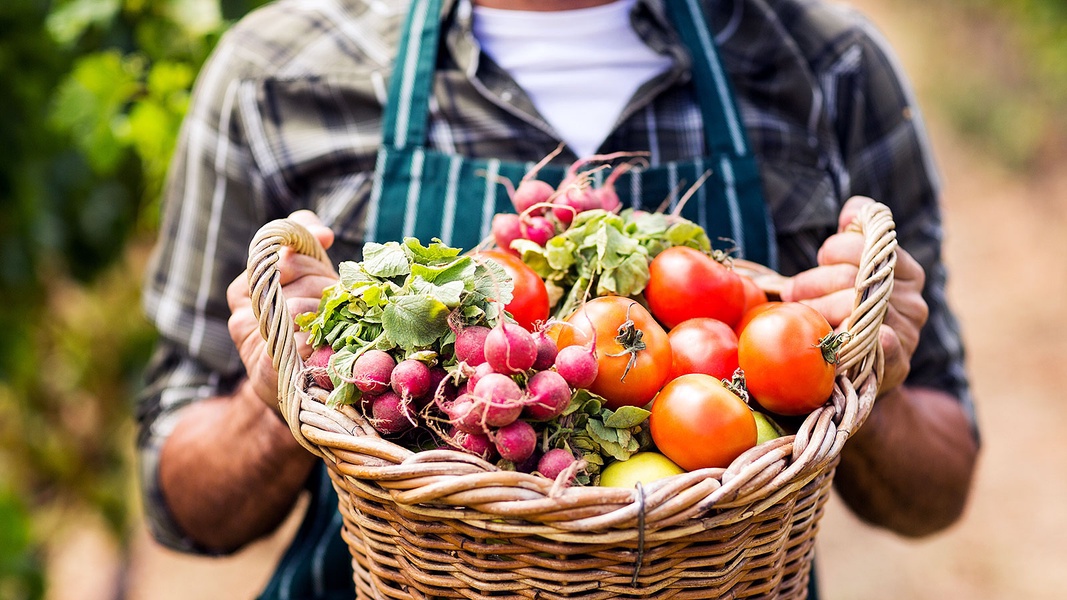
(406, 114)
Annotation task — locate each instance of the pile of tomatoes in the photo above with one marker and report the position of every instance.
(702, 348)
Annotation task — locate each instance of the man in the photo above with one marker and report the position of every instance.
(288, 118)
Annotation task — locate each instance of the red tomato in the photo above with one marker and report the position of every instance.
(697, 422)
(529, 302)
(754, 294)
(684, 283)
(750, 313)
(781, 353)
(633, 351)
(703, 345)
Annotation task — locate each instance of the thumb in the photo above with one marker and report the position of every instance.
(313, 223)
(851, 210)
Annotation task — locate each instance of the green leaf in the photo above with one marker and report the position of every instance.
(352, 274)
(385, 260)
(462, 269)
(415, 321)
(626, 417)
(600, 433)
(435, 253)
(492, 281)
(449, 294)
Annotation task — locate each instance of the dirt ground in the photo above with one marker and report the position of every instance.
(1004, 244)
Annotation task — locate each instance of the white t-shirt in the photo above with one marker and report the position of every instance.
(578, 66)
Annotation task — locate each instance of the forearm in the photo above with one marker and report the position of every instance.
(231, 471)
(909, 467)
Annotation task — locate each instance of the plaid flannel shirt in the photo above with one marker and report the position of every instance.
(287, 115)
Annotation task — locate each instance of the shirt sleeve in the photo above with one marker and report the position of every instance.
(887, 157)
(212, 202)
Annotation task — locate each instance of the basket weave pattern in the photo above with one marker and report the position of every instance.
(445, 524)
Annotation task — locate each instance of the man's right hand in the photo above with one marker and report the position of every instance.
(303, 279)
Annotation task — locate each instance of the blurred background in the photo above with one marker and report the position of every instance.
(93, 93)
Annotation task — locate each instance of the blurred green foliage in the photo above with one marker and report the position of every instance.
(94, 94)
(1002, 80)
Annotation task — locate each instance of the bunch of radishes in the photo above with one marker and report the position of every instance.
(508, 385)
(543, 210)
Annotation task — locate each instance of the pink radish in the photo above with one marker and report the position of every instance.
(498, 399)
(411, 379)
(477, 444)
(371, 372)
(547, 396)
(554, 462)
(506, 228)
(532, 191)
(546, 352)
(516, 441)
(538, 230)
(462, 414)
(390, 413)
(470, 344)
(509, 348)
(318, 363)
(577, 365)
(480, 371)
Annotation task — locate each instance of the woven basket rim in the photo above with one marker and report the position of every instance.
(451, 480)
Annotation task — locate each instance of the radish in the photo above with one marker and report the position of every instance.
(530, 194)
(317, 365)
(577, 365)
(546, 352)
(498, 400)
(516, 441)
(371, 372)
(506, 228)
(533, 191)
(538, 230)
(411, 379)
(390, 413)
(607, 197)
(477, 444)
(470, 344)
(462, 414)
(480, 371)
(554, 462)
(547, 396)
(440, 386)
(509, 348)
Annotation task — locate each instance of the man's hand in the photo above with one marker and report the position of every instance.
(302, 278)
(830, 288)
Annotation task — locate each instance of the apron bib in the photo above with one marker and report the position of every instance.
(424, 193)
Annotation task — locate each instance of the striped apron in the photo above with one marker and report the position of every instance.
(424, 193)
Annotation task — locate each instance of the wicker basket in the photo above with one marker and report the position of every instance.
(444, 524)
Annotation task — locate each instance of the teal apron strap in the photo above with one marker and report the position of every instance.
(724, 131)
(725, 139)
(406, 115)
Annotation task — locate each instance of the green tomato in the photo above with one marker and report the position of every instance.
(642, 467)
(766, 429)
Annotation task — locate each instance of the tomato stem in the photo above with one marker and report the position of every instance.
(629, 338)
(737, 385)
(831, 344)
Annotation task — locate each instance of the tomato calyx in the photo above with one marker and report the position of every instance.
(830, 344)
(736, 384)
(629, 338)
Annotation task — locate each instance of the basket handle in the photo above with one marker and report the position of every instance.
(276, 325)
(874, 285)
